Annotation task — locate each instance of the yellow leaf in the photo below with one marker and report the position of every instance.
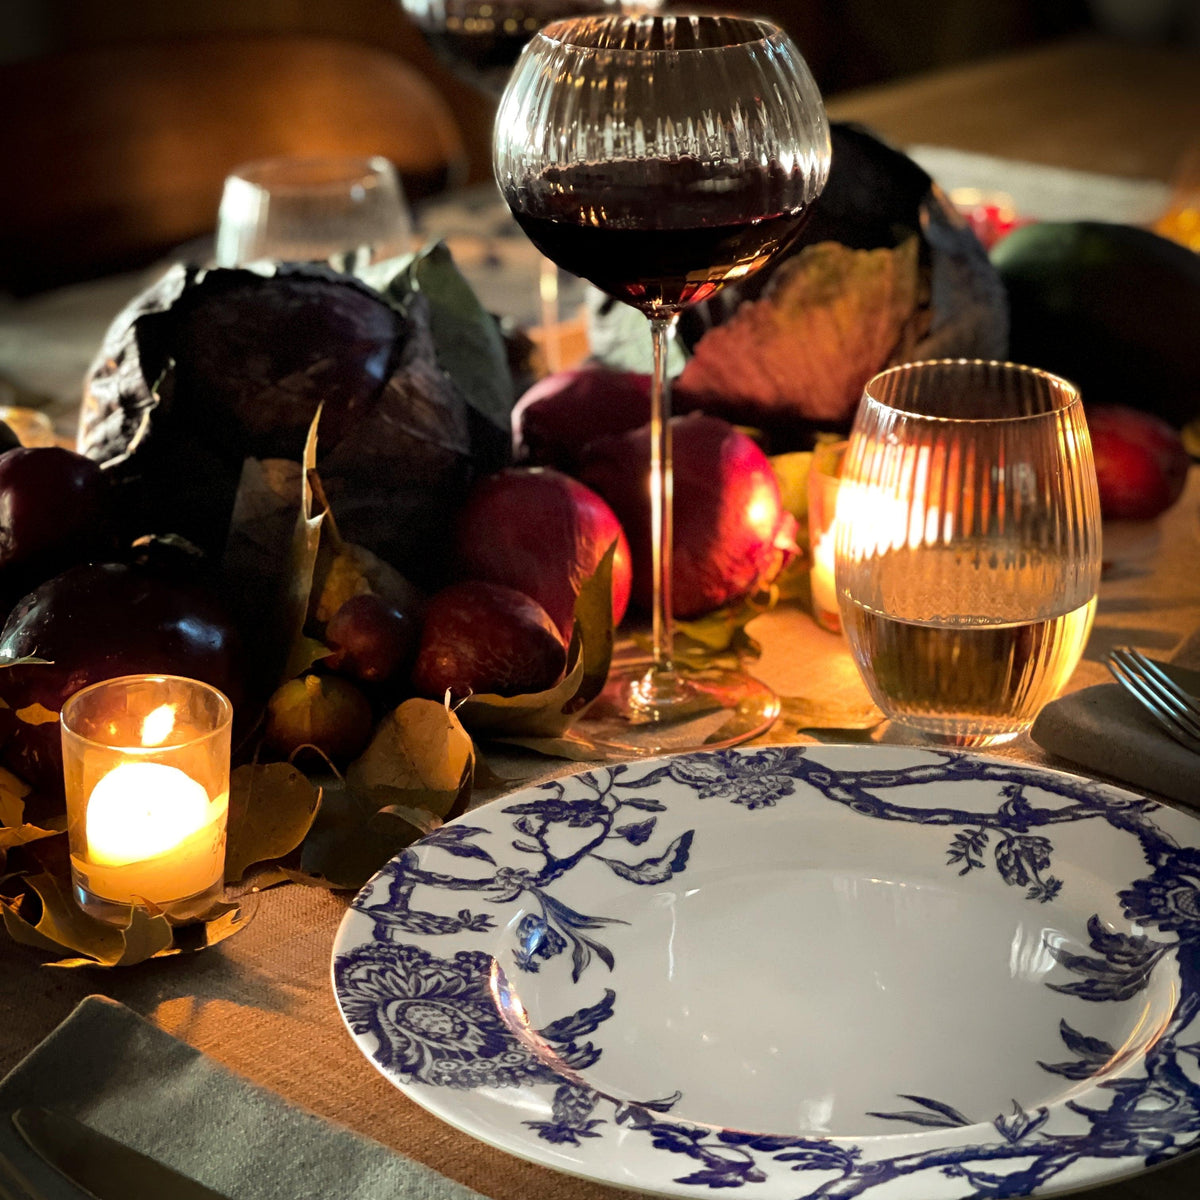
(12, 798)
(38, 714)
(19, 835)
(419, 746)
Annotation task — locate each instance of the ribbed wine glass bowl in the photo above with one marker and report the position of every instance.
(968, 545)
(659, 156)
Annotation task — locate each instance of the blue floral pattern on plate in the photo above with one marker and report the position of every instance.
(432, 959)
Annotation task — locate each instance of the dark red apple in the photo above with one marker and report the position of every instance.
(1141, 465)
(732, 533)
(93, 622)
(557, 417)
(370, 638)
(481, 637)
(53, 514)
(543, 533)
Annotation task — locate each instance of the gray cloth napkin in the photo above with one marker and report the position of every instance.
(1105, 729)
(119, 1074)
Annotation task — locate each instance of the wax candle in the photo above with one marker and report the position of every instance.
(146, 769)
(822, 513)
(153, 835)
(824, 594)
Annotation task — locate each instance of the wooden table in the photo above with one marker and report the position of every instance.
(1091, 105)
(261, 1003)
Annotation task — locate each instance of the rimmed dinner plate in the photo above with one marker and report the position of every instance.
(798, 971)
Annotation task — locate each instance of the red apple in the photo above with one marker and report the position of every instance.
(370, 638)
(481, 637)
(543, 533)
(1141, 465)
(732, 533)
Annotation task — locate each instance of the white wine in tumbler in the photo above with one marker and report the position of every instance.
(968, 545)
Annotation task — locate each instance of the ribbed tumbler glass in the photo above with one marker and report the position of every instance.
(968, 545)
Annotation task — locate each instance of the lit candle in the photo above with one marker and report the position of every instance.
(153, 834)
(824, 594)
(824, 507)
(146, 769)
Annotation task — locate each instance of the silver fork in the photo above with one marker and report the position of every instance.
(1177, 711)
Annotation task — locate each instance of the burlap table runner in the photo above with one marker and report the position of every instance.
(261, 1003)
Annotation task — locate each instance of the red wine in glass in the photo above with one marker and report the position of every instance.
(658, 235)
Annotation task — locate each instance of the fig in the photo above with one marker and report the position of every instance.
(481, 637)
(92, 622)
(1141, 463)
(732, 533)
(322, 711)
(556, 418)
(53, 514)
(543, 533)
(370, 638)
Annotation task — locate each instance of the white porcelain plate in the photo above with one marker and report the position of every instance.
(797, 971)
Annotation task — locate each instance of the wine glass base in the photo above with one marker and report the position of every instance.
(643, 712)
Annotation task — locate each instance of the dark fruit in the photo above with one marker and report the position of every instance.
(543, 533)
(1141, 465)
(53, 514)
(322, 711)
(1112, 307)
(484, 638)
(561, 413)
(95, 622)
(732, 533)
(370, 638)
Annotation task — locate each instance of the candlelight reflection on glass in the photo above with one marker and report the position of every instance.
(822, 511)
(968, 545)
(146, 769)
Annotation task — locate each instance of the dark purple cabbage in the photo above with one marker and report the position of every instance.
(208, 368)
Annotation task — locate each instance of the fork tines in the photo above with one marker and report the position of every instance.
(1176, 711)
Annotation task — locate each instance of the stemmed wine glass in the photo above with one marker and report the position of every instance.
(659, 156)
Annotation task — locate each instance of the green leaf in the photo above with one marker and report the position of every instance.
(349, 842)
(272, 807)
(621, 340)
(470, 346)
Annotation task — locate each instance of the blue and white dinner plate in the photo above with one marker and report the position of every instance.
(797, 971)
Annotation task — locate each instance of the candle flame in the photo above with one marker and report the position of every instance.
(158, 725)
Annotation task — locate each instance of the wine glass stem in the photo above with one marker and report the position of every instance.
(662, 331)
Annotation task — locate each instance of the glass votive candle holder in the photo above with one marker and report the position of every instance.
(146, 770)
(823, 478)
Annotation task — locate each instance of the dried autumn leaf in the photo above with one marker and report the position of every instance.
(419, 747)
(61, 925)
(12, 798)
(830, 318)
(272, 807)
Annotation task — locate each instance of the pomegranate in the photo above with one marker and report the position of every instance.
(732, 533)
(543, 533)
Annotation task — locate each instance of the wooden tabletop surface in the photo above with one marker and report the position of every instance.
(1092, 105)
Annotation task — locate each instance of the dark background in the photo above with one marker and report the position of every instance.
(121, 117)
